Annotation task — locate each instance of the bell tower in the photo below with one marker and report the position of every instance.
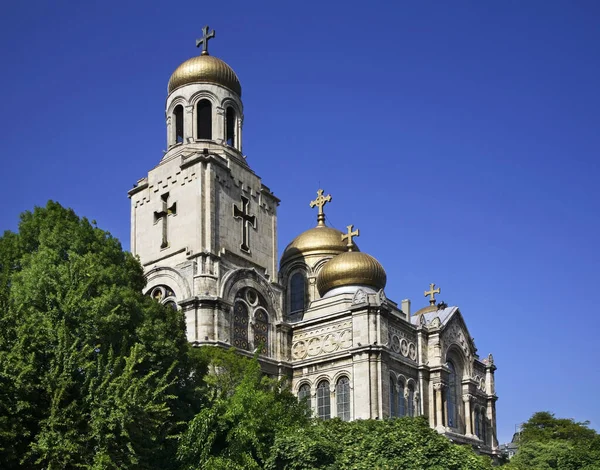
(202, 222)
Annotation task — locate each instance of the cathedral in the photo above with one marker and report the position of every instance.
(205, 229)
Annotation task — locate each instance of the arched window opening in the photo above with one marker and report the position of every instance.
(393, 408)
(240, 326)
(297, 292)
(401, 399)
(483, 427)
(411, 400)
(204, 119)
(304, 394)
(342, 397)
(477, 423)
(323, 400)
(230, 126)
(178, 113)
(261, 331)
(451, 395)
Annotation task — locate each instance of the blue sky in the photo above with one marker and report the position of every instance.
(460, 137)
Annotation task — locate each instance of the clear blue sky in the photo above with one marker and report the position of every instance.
(461, 138)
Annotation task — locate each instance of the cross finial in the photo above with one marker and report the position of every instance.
(204, 39)
(349, 235)
(320, 203)
(431, 293)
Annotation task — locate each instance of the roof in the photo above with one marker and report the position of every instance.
(444, 315)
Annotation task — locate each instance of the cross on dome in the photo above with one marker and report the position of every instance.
(431, 293)
(349, 235)
(204, 39)
(320, 203)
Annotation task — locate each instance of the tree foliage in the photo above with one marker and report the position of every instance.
(407, 443)
(547, 442)
(246, 411)
(92, 373)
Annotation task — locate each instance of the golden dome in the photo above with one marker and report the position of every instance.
(205, 69)
(351, 268)
(318, 239)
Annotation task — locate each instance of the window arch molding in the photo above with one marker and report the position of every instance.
(169, 277)
(237, 279)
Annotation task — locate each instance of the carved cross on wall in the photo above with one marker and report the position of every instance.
(163, 214)
(247, 221)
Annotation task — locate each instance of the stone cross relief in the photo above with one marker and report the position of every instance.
(248, 220)
(163, 215)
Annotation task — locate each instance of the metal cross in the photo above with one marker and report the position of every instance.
(204, 40)
(431, 293)
(247, 219)
(349, 235)
(163, 214)
(320, 203)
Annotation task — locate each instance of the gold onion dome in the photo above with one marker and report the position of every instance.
(351, 269)
(205, 69)
(317, 240)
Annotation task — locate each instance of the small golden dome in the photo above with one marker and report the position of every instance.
(205, 69)
(318, 239)
(351, 268)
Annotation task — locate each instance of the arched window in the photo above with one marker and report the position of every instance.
(230, 126)
(483, 426)
(240, 326)
(297, 292)
(401, 399)
(342, 397)
(204, 119)
(411, 400)
(178, 114)
(323, 400)
(477, 423)
(304, 394)
(451, 395)
(261, 331)
(393, 408)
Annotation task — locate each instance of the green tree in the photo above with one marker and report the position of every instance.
(407, 443)
(245, 413)
(547, 442)
(92, 373)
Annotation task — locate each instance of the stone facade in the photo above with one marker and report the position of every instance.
(205, 229)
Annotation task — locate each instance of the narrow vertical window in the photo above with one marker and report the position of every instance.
(401, 399)
(178, 113)
(297, 292)
(451, 395)
(342, 397)
(477, 423)
(204, 119)
(304, 394)
(323, 400)
(230, 126)
(411, 400)
(483, 426)
(240, 326)
(393, 409)
(261, 331)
